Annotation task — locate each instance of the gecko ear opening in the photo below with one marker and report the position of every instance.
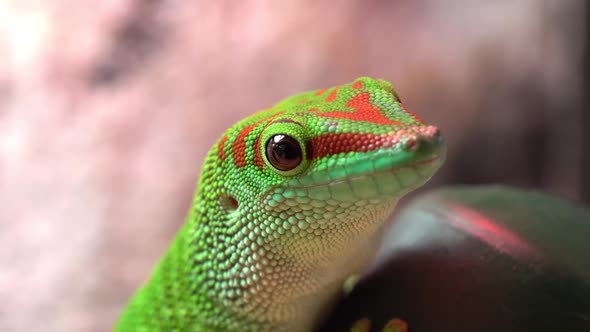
(229, 202)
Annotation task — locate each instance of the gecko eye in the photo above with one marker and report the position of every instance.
(283, 152)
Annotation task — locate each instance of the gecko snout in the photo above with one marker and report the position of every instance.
(422, 137)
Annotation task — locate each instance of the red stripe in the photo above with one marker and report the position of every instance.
(320, 92)
(331, 144)
(221, 147)
(239, 146)
(333, 95)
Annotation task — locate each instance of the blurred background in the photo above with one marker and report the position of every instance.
(107, 109)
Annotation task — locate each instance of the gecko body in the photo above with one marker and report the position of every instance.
(290, 202)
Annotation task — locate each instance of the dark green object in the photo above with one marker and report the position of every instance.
(480, 259)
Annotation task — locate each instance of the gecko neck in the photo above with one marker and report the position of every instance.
(208, 281)
(266, 289)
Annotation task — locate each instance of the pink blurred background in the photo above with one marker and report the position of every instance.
(107, 109)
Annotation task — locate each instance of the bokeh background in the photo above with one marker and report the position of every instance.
(107, 109)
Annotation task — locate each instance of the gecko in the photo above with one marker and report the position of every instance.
(291, 201)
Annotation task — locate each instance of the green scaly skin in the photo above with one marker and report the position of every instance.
(266, 247)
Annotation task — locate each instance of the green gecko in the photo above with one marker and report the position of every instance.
(291, 201)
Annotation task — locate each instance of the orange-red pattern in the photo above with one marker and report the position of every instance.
(333, 95)
(239, 146)
(357, 85)
(321, 92)
(364, 110)
(330, 144)
(221, 148)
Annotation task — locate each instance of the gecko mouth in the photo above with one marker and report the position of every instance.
(416, 166)
(387, 183)
(382, 174)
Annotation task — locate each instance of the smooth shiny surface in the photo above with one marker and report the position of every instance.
(485, 258)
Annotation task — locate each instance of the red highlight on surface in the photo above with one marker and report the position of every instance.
(488, 231)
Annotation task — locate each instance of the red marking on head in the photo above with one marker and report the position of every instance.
(239, 145)
(417, 118)
(331, 144)
(221, 147)
(357, 85)
(333, 95)
(320, 92)
(364, 110)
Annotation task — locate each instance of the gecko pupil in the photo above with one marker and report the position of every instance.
(283, 152)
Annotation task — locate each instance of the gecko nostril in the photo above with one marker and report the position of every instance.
(432, 132)
(421, 137)
(412, 144)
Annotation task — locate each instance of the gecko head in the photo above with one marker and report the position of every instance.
(337, 158)
(311, 180)
(356, 144)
